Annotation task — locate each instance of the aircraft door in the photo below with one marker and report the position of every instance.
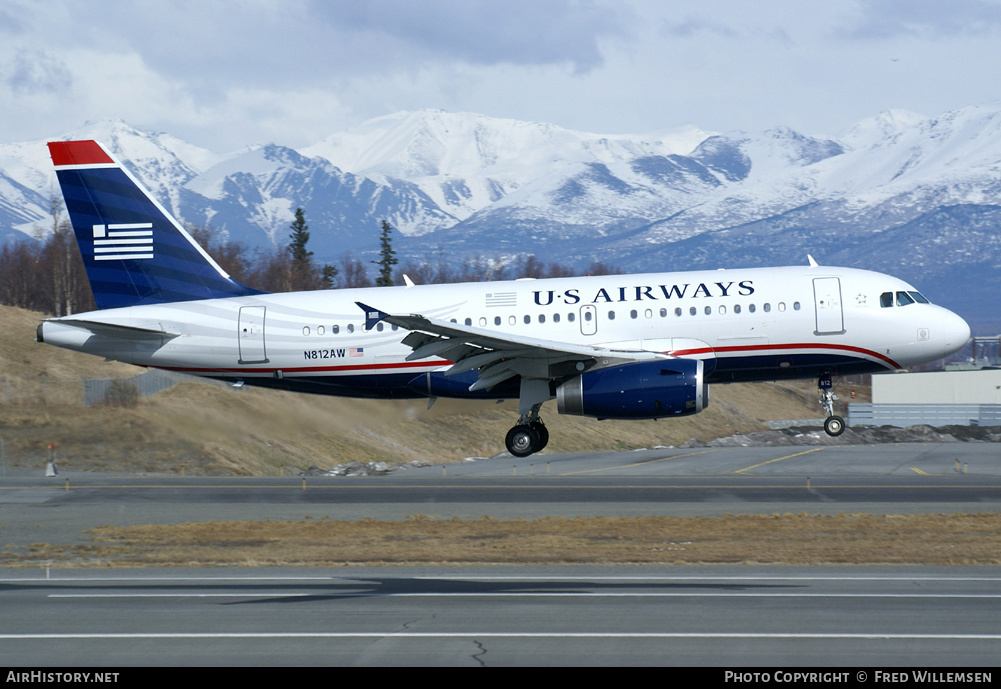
(588, 319)
(251, 335)
(827, 301)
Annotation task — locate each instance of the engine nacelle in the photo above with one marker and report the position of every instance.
(643, 390)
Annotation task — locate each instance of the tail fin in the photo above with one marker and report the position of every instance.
(133, 250)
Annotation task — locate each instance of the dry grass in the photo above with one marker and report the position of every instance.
(787, 539)
(221, 431)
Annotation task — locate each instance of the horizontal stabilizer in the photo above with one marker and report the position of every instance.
(114, 330)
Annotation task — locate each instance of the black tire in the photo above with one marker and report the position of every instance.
(543, 433)
(834, 425)
(522, 440)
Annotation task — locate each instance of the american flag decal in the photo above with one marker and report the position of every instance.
(502, 299)
(123, 241)
(356, 351)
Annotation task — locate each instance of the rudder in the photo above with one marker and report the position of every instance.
(133, 250)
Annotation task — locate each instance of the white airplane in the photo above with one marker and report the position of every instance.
(610, 347)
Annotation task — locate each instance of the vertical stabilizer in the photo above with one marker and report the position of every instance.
(133, 250)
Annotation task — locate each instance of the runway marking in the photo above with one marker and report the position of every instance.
(535, 594)
(503, 635)
(600, 578)
(636, 464)
(778, 459)
(918, 471)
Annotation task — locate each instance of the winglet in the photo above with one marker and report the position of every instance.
(373, 316)
(813, 263)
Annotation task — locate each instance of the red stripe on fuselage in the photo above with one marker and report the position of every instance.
(760, 349)
(776, 347)
(311, 369)
(78, 153)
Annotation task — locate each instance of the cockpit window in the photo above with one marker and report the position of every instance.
(886, 299)
(903, 299)
(919, 298)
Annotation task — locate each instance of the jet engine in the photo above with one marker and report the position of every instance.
(642, 390)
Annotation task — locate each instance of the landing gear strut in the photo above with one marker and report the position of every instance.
(833, 425)
(530, 435)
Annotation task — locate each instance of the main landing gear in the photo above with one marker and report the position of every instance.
(833, 425)
(527, 438)
(530, 435)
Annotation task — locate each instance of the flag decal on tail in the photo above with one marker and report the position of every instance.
(115, 221)
(123, 241)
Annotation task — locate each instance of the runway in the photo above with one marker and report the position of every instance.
(733, 617)
(715, 616)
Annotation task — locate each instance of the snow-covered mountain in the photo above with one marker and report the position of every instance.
(467, 162)
(914, 196)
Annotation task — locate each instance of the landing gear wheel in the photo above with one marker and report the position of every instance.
(834, 425)
(543, 433)
(522, 440)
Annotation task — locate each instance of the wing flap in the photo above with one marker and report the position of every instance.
(498, 356)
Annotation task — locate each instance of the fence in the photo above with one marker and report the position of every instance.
(903, 415)
(42, 390)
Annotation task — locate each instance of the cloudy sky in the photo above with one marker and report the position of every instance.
(224, 74)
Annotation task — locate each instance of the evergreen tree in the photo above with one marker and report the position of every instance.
(298, 238)
(301, 273)
(387, 257)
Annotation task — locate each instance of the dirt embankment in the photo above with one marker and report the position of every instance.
(207, 429)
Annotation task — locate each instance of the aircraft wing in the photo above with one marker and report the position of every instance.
(496, 355)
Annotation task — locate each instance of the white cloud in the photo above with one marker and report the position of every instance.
(224, 73)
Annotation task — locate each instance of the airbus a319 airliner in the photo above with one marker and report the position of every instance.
(609, 347)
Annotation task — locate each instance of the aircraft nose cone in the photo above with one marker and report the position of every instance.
(956, 331)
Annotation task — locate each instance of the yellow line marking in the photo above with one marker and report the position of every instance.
(638, 464)
(918, 471)
(777, 459)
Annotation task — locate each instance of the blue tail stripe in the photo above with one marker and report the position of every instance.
(175, 269)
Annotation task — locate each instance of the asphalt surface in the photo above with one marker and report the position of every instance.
(723, 616)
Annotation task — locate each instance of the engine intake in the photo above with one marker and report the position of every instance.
(643, 390)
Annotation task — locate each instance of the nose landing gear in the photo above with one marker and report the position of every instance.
(833, 425)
